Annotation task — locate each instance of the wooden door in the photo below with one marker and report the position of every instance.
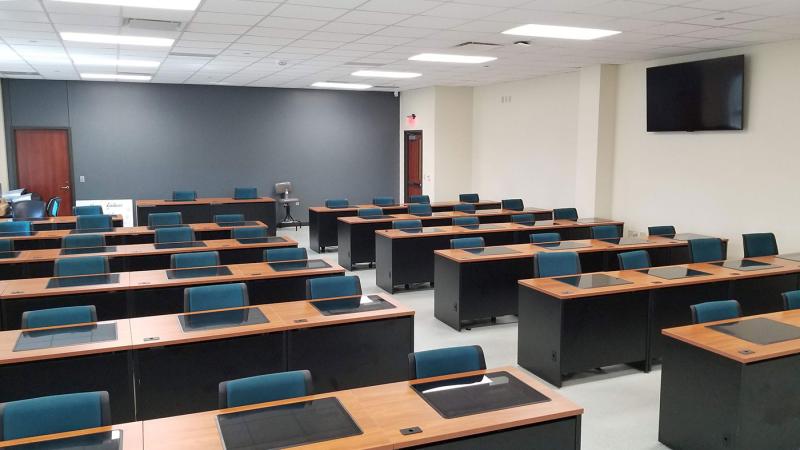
(413, 164)
(43, 165)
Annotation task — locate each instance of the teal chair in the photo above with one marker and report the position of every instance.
(101, 222)
(713, 311)
(337, 203)
(605, 232)
(369, 212)
(174, 234)
(217, 296)
(445, 361)
(420, 199)
(53, 317)
(556, 264)
(83, 241)
(420, 209)
(265, 388)
(467, 242)
(54, 414)
(759, 244)
(190, 260)
(565, 214)
(383, 201)
(88, 210)
(249, 232)
(538, 238)
(705, 250)
(464, 207)
(228, 218)
(637, 259)
(661, 230)
(245, 193)
(184, 196)
(400, 224)
(514, 204)
(54, 204)
(791, 300)
(525, 219)
(285, 254)
(330, 287)
(466, 221)
(6, 245)
(469, 198)
(164, 219)
(80, 265)
(22, 226)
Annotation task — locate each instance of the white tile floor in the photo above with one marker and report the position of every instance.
(621, 403)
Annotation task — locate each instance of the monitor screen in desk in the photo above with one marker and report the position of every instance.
(543, 223)
(592, 280)
(760, 330)
(287, 425)
(238, 224)
(791, 257)
(285, 266)
(65, 336)
(8, 255)
(108, 440)
(351, 305)
(563, 245)
(260, 240)
(420, 230)
(483, 226)
(83, 280)
(489, 251)
(168, 245)
(626, 241)
(464, 396)
(423, 215)
(199, 272)
(673, 272)
(745, 265)
(222, 319)
(30, 219)
(87, 250)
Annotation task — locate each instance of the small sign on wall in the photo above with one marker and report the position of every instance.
(113, 207)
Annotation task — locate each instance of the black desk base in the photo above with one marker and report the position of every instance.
(323, 227)
(561, 434)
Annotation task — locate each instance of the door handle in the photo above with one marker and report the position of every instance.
(65, 188)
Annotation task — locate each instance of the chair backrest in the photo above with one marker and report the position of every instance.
(54, 414)
(464, 207)
(660, 230)
(466, 221)
(83, 240)
(265, 388)
(367, 212)
(419, 199)
(383, 201)
(538, 238)
(227, 218)
(420, 209)
(217, 296)
(469, 198)
(6, 245)
(184, 196)
(445, 361)
(337, 202)
(80, 265)
(98, 222)
(717, 310)
(29, 209)
(249, 232)
(637, 259)
(53, 205)
(197, 259)
(526, 219)
(514, 204)
(556, 264)
(174, 234)
(245, 193)
(705, 250)
(565, 214)
(467, 242)
(329, 287)
(164, 219)
(87, 210)
(605, 232)
(15, 226)
(285, 254)
(759, 244)
(791, 300)
(53, 317)
(413, 223)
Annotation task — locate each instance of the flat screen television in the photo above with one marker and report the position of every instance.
(696, 96)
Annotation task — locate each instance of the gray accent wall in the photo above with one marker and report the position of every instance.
(143, 141)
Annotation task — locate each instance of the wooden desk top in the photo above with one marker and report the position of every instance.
(729, 347)
(444, 230)
(58, 219)
(202, 201)
(37, 287)
(132, 436)
(641, 282)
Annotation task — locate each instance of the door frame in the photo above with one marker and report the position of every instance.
(407, 133)
(16, 159)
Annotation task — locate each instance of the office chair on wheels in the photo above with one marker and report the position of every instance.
(283, 189)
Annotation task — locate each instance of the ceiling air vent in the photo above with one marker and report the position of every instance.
(472, 45)
(147, 24)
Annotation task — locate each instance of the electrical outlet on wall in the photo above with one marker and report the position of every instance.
(82, 179)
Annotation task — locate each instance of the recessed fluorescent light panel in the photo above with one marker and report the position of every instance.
(384, 74)
(448, 58)
(117, 39)
(557, 32)
(182, 5)
(333, 85)
(91, 61)
(114, 76)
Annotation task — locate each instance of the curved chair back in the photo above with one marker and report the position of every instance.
(6, 245)
(791, 300)
(605, 232)
(164, 219)
(189, 260)
(469, 198)
(228, 218)
(464, 207)
(705, 250)
(83, 241)
(369, 212)
(174, 234)
(28, 209)
(565, 214)
(21, 226)
(413, 223)
(87, 210)
(53, 205)
(337, 203)
(249, 232)
(383, 201)
(265, 388)
(514, 204)
(184, 196)
(420, 199)
(445, 361)
(53, 317)
(420, 209)
(525, 219)
(458, 221)
(759, 244)
(637, 259)
(101, 222)
(660, 230)
(245, 193)
(285, 254)
(54, 414)
(556, 264)
(467, 242)
(329, 287)
(217, 296)
(80, 265)
(538, 238)
(717, 310)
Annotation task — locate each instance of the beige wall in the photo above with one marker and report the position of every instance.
(453, 142)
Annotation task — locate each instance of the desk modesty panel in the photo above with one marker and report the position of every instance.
(58, 222)
(203, 210)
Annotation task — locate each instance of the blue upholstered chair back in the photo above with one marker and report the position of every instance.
(245, 193)
(420, 209)
(556, 264)
(164, 219)
(174, 234)
(54, 204)
(383, 201)
(637, 259)
(99, 222)
(329, 287)
(420, 199)
(467, 242)
(285, 254)
(515, 204)
(53, 317)
(538, 238)
(337, 202)
(217, 296)
(445, 361)
(88, 210)
(6, 245)
(400, 224)
(565, 214)
(227, 218)
(15, 227)
(759, 244)
(605, 232)
(469, 198)
(80, 265)
(249, 232)
(83, 240)
(705, 250)
(791, 300)
(368, 212)
(660, 230)
(464, 207)
(525, 219)
(189, 260)
(713, 311)
(54, 414)
(466, 221)
(265, 388)
(184, 196)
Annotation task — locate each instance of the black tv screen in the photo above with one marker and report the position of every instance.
(696, 96)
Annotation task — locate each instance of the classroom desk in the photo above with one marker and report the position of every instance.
(130, 433)
(474, 286)
(357, 234)
(134, 257)
(565, 329)
(203, 210)
(38, 240)
(178, 372)
(724, 392)
(58, 222)
(147, 293)
(405, 257)
(382, 411)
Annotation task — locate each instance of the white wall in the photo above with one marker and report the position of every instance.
(453, 142)
(718, 183)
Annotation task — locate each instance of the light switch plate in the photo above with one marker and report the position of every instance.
(83, 179)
